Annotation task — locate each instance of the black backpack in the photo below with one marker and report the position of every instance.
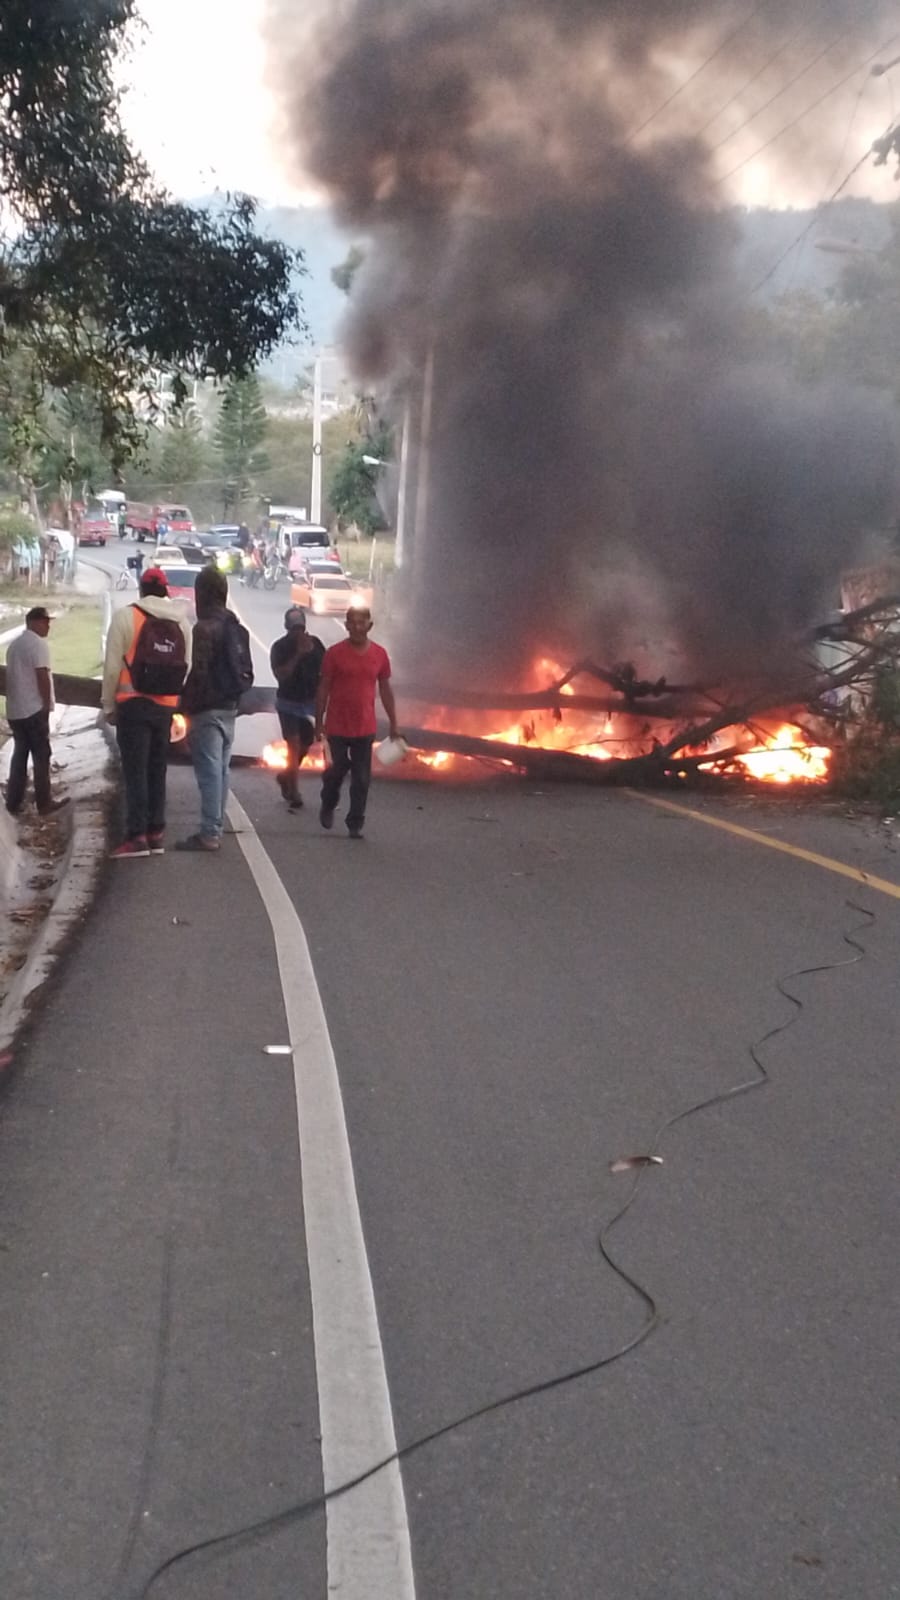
(159, 666)
(232, 664)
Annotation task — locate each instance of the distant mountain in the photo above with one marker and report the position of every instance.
(769, 241)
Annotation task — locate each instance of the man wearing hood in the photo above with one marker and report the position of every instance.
(221, 670)
(148, 650)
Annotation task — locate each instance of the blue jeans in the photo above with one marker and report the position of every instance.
(212, 735)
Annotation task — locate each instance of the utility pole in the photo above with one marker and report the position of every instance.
(402, 488)
(315, 498)
(423, 487)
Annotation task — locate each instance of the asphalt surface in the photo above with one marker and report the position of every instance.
(521, 986)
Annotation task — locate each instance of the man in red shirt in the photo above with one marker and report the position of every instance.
(345, 709)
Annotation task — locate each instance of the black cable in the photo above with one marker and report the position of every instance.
(686, 82)
(749, 82)
(253, 1532)
(813, 106)
(824, 204)
(813, 62)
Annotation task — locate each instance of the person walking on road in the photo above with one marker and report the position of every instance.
(221, 669)
(29, 702)
(148, 650)
(296, 660)
(345, 711)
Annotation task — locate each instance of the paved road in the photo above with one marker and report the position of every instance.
(520, 987)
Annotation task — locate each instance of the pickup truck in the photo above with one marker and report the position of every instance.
(143, 521)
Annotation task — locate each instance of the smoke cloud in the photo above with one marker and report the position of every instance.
(608, 457)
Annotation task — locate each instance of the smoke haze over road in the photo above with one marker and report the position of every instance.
(610, 455)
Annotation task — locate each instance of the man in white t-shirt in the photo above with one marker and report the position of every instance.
(29, 701)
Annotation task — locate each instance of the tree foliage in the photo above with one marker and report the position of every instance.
(102, 276)
(352, 491)
(183, 452)
(240, 430)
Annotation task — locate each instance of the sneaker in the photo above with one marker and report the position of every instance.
(55, 805)
(295, 803)
(326, 817)
(156, 841)
(198, 841)
(355, 832)
(131, 847)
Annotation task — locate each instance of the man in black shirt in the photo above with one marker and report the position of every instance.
(296, 661)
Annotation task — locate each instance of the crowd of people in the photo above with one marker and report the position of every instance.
(156, 666)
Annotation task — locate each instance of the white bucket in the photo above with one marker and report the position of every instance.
(390, 751)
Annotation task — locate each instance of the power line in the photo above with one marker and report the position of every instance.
(759, 73)
(822, 206)
(813, 106)
(720, 48)
(783, 90)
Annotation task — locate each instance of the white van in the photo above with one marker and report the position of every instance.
(297, 541)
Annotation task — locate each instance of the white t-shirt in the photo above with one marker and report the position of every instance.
(24, 656)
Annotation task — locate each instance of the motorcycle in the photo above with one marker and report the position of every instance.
(275, 570)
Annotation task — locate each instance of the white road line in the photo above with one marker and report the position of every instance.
(369, 1555)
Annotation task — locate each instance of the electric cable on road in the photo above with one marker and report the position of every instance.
(267, 1527)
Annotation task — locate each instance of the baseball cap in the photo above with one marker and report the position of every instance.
(156, 577)
(39, 614)
(295, 617)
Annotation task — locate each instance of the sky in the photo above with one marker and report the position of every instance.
(199, 108)
(197, 104)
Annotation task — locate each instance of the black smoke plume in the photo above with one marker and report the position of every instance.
(609, 457)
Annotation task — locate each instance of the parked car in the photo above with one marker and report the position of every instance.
(218, 544)
(93, 527)
(168, 555)
(329, 596)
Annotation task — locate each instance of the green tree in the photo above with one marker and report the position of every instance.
(183, 453)
(15, 529)
(352, 489)
(102, 276)
(240, 430)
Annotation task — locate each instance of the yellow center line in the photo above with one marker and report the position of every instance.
(882, 885)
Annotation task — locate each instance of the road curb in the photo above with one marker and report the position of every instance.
(77, 878)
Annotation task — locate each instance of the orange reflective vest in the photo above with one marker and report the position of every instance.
(126, 689)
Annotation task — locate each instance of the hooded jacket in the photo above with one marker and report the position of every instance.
(121, 633)
(221, 656)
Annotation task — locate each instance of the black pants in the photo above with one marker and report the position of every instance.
(31, 737)
(298, 734)
(142, 734)
(353, 756)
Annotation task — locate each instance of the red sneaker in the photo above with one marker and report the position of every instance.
(131, 847)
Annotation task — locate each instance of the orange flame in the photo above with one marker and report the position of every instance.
(786, 757)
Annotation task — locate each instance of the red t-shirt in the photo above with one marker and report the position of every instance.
(351, 676)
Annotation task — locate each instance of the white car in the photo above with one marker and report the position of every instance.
(168, 555)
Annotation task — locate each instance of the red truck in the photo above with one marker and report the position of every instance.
(146, 521)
